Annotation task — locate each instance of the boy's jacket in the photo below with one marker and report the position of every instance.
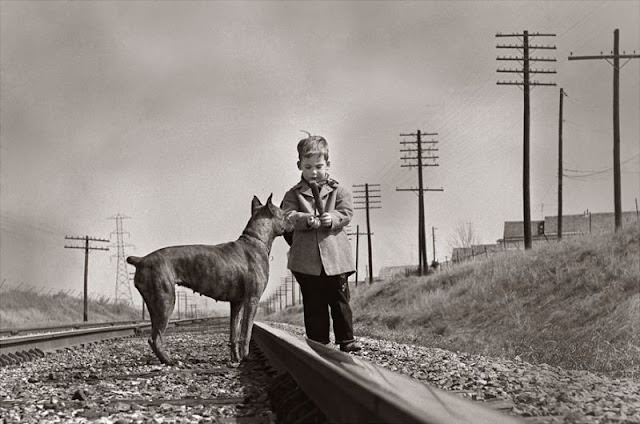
(313, 249)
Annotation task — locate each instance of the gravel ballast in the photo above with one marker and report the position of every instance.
(538, 393)
(122, 381)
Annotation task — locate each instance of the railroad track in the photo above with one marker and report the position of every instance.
(6, 332)
(292, 380)
(16, 349)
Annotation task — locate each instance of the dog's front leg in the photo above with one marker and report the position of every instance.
(237, 310)
(250, 310)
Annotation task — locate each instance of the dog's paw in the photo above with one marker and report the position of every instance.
(250, 357)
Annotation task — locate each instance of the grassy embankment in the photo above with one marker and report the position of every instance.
(574, 304)
(25, 307)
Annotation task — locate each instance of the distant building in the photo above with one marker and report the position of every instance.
(513, 235)
(572, 225)
(544, 231)
(587, 223)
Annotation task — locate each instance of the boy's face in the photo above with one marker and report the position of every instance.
(314, 168)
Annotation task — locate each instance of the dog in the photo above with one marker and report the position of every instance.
(235, 272)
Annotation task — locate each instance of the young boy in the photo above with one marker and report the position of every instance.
(320, 255)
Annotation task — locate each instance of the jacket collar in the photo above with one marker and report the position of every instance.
(327, 186)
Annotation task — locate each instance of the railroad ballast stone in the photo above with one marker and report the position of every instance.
(538, 393)
(121, 380)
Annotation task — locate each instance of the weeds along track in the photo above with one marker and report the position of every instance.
(289, 380)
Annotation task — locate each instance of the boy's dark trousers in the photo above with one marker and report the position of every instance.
(319, 293)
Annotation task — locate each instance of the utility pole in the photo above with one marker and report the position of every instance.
(293, 290)
(280, 297)
(560, 123)
(123, 285)
(419, 157)
(363, 200)
(357, 234)
(182, 295)
(616, 56)
(296, 285)
(433, 238)
(526, 83)
(87, 248)
(285, 284)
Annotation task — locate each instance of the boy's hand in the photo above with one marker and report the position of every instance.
(313, 222)
(326, 220)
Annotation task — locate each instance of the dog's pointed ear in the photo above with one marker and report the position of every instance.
(255, 204)
(273, 208)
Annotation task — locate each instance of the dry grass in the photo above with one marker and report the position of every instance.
(574, 304)
(26, 307)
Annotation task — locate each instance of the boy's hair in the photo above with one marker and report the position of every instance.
(313, 145)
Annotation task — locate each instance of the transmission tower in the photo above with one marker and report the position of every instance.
(123, 287)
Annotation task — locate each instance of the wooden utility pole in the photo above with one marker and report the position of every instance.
(560, 171)
(419, 163)
(433, 239)
(357, 250)
(357, 234)
(293, 290)
(616, 56)
(86, 248)
(364, 199)
(526, 84)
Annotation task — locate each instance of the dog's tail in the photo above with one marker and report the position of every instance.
(134, 260)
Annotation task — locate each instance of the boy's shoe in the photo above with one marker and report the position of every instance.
(350, 347)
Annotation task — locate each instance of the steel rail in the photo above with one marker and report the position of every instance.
(75, 326)
(79, 325)
(59, 340)
(348, 389)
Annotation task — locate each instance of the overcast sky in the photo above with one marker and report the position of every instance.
(176, 113)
